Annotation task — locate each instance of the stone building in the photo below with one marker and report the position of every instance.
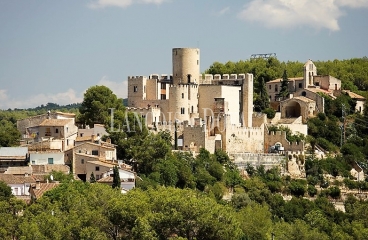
(306, 94)
(210, 111)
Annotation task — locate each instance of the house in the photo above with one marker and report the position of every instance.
(89, 151)
(19, 184)
(42, 158)
(60, 129)
(360, 100)
(27, 126)
(97, 130)
(13, 156)
(127, 179)
(38, 189)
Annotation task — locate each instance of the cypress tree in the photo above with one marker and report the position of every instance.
(116, 180)
(284, 91)
(92, 178)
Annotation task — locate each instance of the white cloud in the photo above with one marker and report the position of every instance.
(353, 3)
(294, 13)
(118, 88)
(121, 3)
(223, 11)
(68, 97)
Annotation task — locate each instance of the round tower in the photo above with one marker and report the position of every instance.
(185, 65)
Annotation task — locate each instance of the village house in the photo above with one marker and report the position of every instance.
(13, 156)
(89, 151)
(19, 185)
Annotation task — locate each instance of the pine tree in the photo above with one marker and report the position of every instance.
(284, 91)
(92, 178)
(116, 180)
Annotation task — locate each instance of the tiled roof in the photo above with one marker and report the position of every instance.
(19, 170)
(316, 90)
(107, 179)
(102, 163)
(55, 122)
(11, 179)
(84, 138)
(280, 80)
(354, 95)
(304, 99)
(87, 155)
(48, 168)
(44, 187)
(13, 151)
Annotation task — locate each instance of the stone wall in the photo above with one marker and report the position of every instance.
(271, 138)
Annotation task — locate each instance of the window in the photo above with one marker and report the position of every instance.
(144, 89)
(82, 161)
(197, 62)
(67, 129)
(81, 135)
(310, 67)
(56, 130)
(97, 168)
(95, 152)
(300, 85)
(276, 88)
(163, 96)
(192, 109)
(182, 110)
(48, 132)
(269, 86)
(304, 94)
(33, 162)
(163, 85)
(50, 160)
(67, 142)
(135, 88)
(182, 95)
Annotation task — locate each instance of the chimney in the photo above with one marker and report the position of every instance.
(38, 184)
(108, 140)
(93, 138)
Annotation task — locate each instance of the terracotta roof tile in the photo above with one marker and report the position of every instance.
(43, 187)
(55, 122)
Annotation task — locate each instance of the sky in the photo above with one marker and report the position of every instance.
(53, 51)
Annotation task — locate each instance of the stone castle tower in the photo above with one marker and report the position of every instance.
(184, 89)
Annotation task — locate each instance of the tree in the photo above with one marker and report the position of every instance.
(5, 191)
(92, 178)
(9, 134)
(97, 104)
(116, 179)
(262, 101)
(284, 91)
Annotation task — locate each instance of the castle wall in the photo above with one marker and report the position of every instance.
(269, 161)
(185, 65)
(247, 100)
(271, 138)
(195, 137)
(136, 90)
(207, 95)
(152, 89)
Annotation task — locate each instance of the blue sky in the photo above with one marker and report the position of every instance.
(52, 51)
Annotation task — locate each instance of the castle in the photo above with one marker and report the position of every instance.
(210, 111)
